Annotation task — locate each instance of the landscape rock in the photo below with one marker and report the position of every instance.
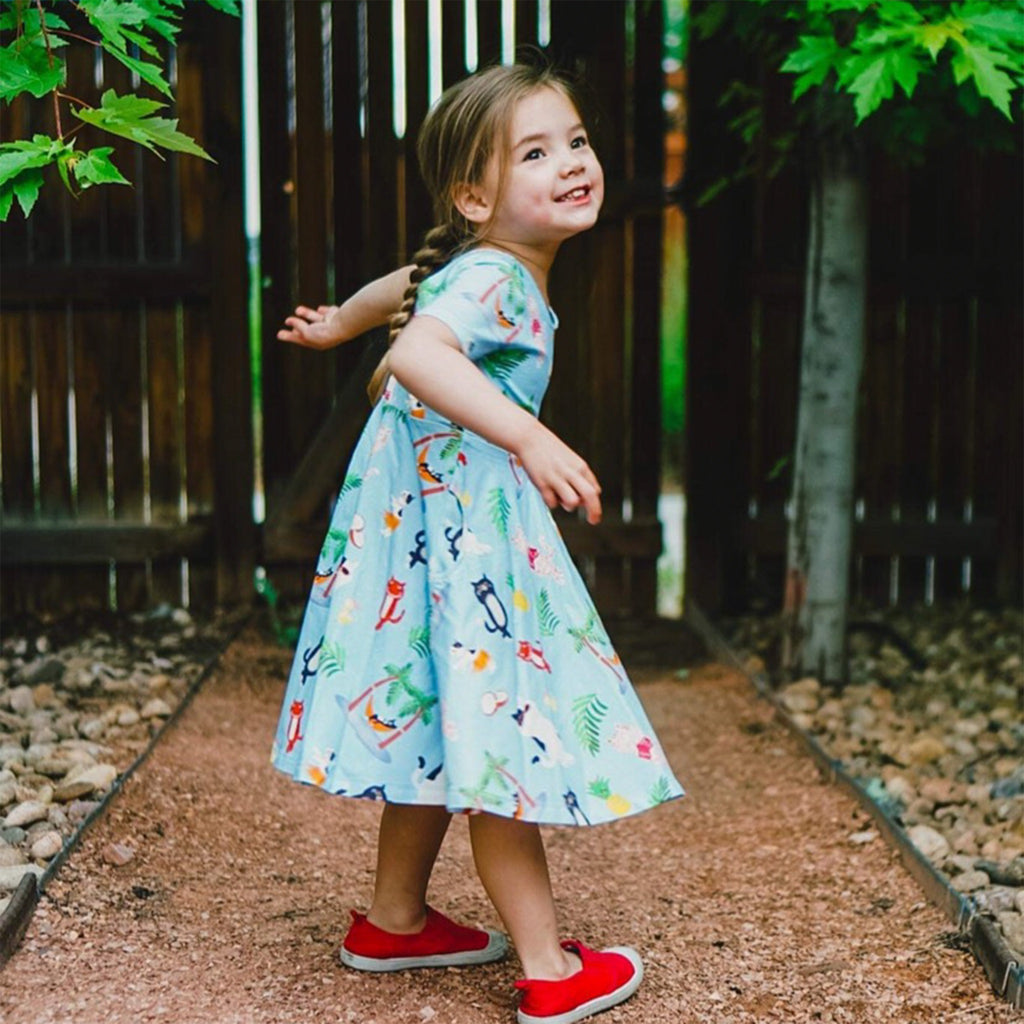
(118, 854)
(20, 700)
(25, 813)
(11, 856)
(47, 845)
(10, 877)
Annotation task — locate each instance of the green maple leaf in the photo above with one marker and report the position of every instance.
(982, 65)
(933, 38)
(129, 117)
(16, 157)
(227, 6)
(96, 168)
(26, 68)
(118, 23)
(905, 69)
(26, 188)
(871, 82)
(813, 59)
(1002, 24)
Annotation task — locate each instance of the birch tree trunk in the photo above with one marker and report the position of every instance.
(821, 513)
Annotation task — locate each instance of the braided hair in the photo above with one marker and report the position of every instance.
(440, 245)
(468, 125)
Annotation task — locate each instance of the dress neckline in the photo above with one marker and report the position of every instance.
(505, 254)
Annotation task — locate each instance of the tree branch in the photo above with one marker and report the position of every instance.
(49, 56)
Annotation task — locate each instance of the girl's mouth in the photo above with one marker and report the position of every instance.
(577, 194)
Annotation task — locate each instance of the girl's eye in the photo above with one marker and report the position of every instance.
(534, 154)
(579, 142)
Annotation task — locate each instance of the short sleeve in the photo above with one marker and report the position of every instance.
(481, 298)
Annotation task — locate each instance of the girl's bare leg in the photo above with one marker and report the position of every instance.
(512, 865)
(408, 843)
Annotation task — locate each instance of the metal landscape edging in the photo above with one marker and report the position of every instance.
(990, 949)
(15, 919)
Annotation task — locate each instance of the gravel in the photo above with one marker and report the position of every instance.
(932, 724)
(749, 900)
(80, 698)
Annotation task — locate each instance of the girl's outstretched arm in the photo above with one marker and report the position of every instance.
(427, 360)
(327, 326)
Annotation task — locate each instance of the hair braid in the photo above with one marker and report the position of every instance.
(440, 245)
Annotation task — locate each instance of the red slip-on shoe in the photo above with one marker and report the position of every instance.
(608, 978)
(441, 943)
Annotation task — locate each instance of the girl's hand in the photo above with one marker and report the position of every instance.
(561, 476)
(314, 328)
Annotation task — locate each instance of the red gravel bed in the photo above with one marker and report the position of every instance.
(747, 899)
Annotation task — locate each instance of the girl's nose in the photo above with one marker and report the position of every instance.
(572, 164)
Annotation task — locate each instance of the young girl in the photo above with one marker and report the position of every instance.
(450, 658)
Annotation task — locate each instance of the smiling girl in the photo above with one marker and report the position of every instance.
(451, 658)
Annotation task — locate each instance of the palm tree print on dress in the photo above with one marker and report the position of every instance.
(589, 636)
(376, 732)
(496, 773)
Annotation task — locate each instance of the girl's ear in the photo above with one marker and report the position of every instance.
(471, 202)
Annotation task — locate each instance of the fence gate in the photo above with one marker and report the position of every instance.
(342, 203)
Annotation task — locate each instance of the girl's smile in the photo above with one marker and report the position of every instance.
(552, 187)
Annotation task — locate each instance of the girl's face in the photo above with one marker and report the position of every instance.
(553, 185)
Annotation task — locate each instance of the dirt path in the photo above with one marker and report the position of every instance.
(747, 899)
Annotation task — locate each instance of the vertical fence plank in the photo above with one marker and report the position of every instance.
(232, 408)
(645, 377)
(718, 333)
(16, 442)
(165, 427)
(380, 230)
(92, 400)
(348, 145)
(526, 25)
(418, 214)
(276, 185)
(602, 47)
(488, 31)
(198, 342)
(453, 42)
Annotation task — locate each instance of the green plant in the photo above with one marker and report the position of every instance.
(34, 32)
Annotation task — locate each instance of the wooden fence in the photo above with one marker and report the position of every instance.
(127, 449)
(126, 441)
(123, 429)
(939, 486)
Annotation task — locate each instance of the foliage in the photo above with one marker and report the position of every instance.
(285, 634)
(31, 65)
(892, 42)
(903, 75)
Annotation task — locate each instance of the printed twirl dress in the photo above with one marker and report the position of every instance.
(450, 653)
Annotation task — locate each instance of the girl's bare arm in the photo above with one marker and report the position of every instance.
(327, 326)
(427, 360)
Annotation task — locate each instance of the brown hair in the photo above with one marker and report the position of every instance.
(468, 124)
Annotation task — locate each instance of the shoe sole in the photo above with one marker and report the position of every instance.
(495, 949)
(605, 1002)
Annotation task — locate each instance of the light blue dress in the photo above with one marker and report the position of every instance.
(450, 653)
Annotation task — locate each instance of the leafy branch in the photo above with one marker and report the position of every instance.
(904, 72)
(31, 65)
